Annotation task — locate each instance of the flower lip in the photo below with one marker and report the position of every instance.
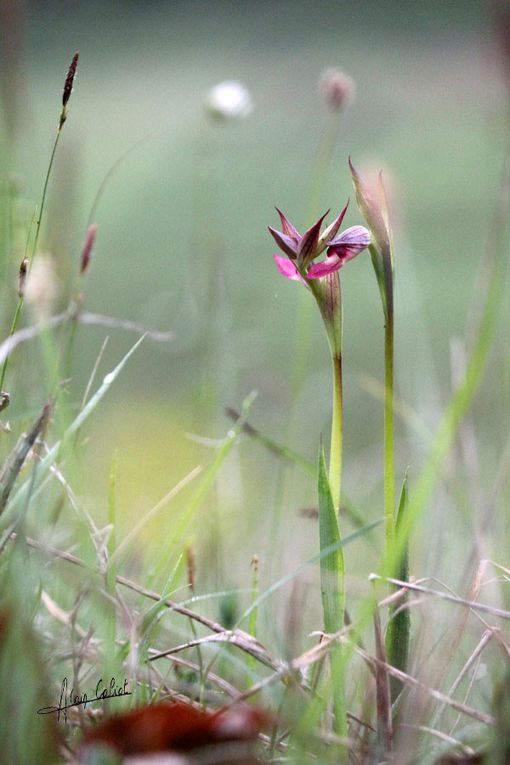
(287, 268)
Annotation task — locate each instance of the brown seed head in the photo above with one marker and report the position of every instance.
(68, 84)
(68, 89)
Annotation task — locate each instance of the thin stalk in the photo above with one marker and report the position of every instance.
(14, 324)
(45, 189)
(335, 454)
(337, 657)
(389, 438)
(19, 307)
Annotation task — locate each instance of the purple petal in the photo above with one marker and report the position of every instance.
(356, 236)
(287, 268)
(331, 231)
(284, 242)
(288, 228)
(307, 248)
(328, 266)
(342, 249)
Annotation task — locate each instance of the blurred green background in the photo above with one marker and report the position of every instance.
(183, 242)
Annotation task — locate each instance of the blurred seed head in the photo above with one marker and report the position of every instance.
(337, 88)
(42, 288)
(190, 567)
(22, 277)
(229, 100)
(5, 400)
(88, 246)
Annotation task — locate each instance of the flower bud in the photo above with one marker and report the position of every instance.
(371, 201)
(337, 88)
(373, 205)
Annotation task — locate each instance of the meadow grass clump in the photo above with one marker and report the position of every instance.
(114, 651)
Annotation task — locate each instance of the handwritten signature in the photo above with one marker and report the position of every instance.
(70, 699)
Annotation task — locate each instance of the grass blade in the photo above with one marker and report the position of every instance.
(87, 410)
(397, 636)
(332, 588)
(332, 565)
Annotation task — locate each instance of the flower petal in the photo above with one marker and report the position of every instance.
(288, 228)
(355, 236)
(284, 242)
(307, 248)
(287, 268)
(331, 231)
(328, 266)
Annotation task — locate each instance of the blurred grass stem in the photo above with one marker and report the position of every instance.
(19, 307)
(389, 434)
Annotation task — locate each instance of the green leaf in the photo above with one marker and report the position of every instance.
(332, 565)
(399, 627)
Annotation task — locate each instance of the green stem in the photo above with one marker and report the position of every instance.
(34, 247)
(45, 189)
(335, 454)
(11, 333)
(389, 449)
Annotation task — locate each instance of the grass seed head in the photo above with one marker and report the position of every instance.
(88, 246)
(68, 88)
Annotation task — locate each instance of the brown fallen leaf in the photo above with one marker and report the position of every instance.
(178, 727)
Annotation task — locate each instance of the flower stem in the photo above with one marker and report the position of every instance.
(389, 456)
(335, 454)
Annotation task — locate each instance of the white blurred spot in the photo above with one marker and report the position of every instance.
(229, 100)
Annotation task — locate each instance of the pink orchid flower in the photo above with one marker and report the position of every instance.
(301, 251)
